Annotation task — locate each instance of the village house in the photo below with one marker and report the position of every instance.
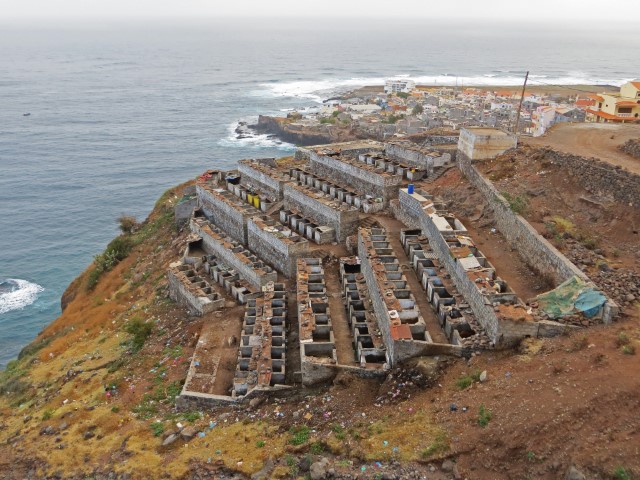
(622, 107)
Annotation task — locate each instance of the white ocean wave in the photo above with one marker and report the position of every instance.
(16, 294)
(318, 90)
(252, 140)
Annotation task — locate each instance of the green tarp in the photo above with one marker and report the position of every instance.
(572, 296)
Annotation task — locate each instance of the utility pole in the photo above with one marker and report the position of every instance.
(526, 77)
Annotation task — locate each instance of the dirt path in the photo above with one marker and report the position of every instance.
(341, 331)
(433, 326)
(600, 140)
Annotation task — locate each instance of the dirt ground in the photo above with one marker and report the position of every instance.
(600, 140)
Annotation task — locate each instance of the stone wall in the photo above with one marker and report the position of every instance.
(415, 158)
(599, 178)
(535, 250)
(271, 185)
(196, 301)
(632, 147)
(344, 222)
(359, 179)
(281, 252)
(230, 219)
(215, 244)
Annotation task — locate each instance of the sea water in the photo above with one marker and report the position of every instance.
(118, 113)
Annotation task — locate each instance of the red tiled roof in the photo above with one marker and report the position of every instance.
(635, 84)
(608, 116)
(584, 102)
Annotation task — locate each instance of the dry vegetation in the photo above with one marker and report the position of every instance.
(554, 403)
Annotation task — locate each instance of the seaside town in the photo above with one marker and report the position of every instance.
(404, 109)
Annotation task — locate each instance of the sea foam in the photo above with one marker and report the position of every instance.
(15, 294)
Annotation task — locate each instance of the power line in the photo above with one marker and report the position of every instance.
(564, 86)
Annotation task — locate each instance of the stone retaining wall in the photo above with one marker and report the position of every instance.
(534, 249)
(600, 178)
(344, 222)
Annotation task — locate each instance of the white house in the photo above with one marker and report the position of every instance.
(393, 85)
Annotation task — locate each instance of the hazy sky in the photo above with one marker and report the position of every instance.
(540, 10)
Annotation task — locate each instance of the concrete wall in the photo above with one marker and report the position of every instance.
(344, 222)
(360, 179)
(416, 158)
(279, 252)
(483, 143)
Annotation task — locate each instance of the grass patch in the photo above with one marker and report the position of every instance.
(317, 448)
(192, 416)
(484, 416)
(629, 350)
(466, 381)
(157, 428)
(47, 414)
(623, 339)
(564, 226)
(620, 473)
(437, 447)
(260, 444)
(299, 435)
(517, 203)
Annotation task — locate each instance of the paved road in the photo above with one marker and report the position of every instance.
(600, 140)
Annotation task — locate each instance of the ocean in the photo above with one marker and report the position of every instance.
(121, 112)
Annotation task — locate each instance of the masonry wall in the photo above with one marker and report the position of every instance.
(535, 250)
(377, 299)
(359, 179)
(344, 222)
(275, 251)
(484, 314)
(214, 246)
(225, 216)
(600, 178)
(260, 180)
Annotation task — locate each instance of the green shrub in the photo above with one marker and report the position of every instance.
(620, 473)
(299, 435)
(116, 251)
(517, 203)
(127, 224)
(317, 448)
(140, 330)
(157, 428)
(484, 416)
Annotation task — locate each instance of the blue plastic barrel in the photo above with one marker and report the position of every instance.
(410, 189)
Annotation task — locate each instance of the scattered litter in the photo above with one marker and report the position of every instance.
(453, 407)
(201, 434)
(507, 375)
(196, 363)
(385, 443)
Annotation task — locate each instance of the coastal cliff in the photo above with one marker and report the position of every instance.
(94, 396)
(291, 132)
